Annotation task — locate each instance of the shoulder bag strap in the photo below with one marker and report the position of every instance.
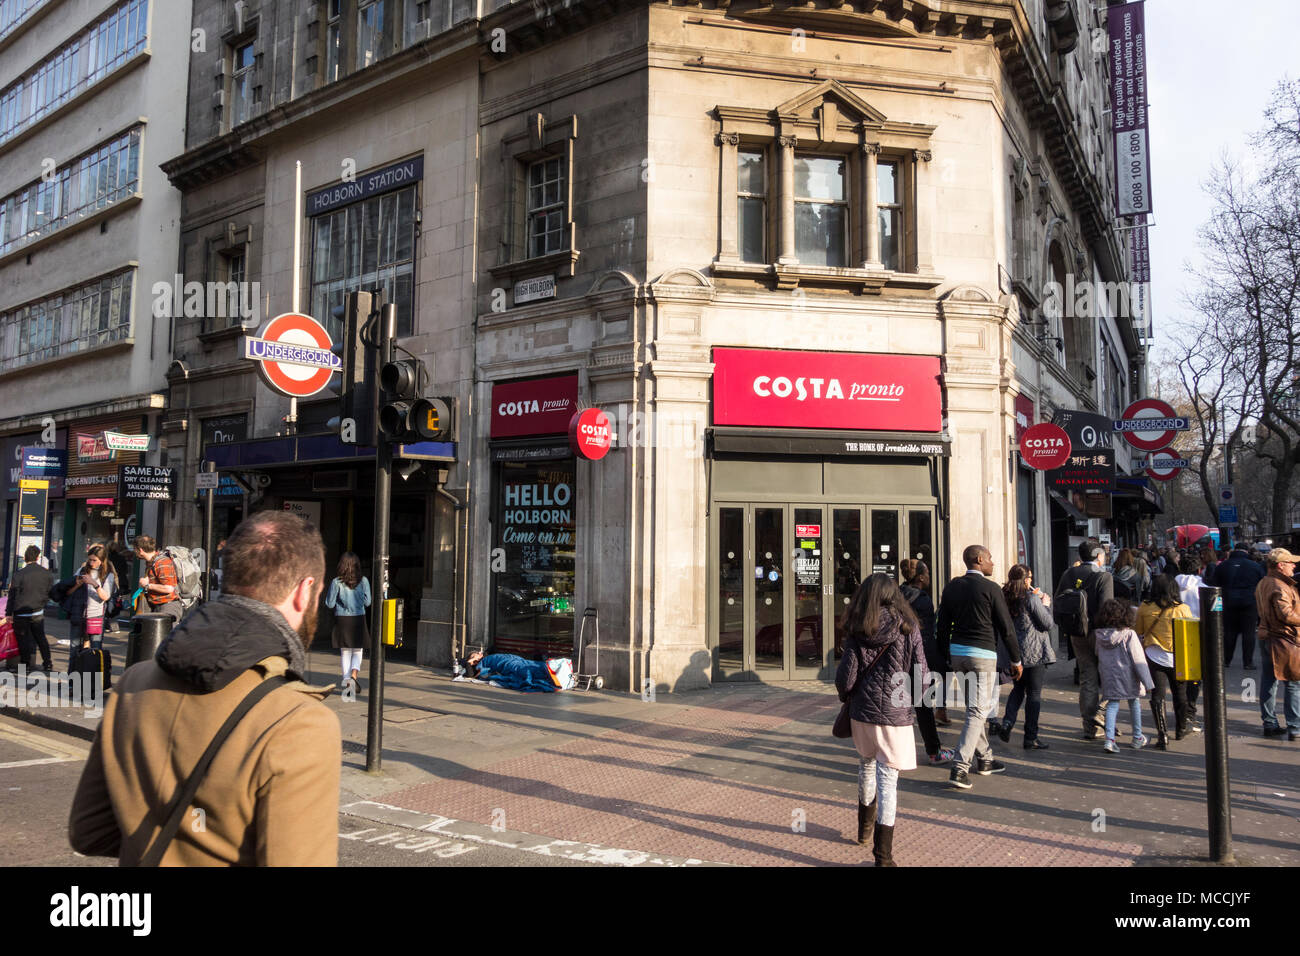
(185, 796)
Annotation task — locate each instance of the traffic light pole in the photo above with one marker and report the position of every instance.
(383, 500)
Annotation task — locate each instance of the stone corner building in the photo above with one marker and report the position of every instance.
(796, 252)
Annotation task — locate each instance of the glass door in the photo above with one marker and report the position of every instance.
(885, 540)
(811, 593)
(847, 558)
(729, 591)
(769, 561)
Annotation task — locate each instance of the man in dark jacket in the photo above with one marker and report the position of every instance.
(1098, 586)
(973, 617)
(1238, 577)
(271, 796)
(26, 609)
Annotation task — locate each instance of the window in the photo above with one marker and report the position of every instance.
(100, 178)
(92, 314)
(821, 214)
(14, 12)
(85, 60)
(374, 21)
(889, 206)
(545, 208)
(333, 39)
(242, 65)
(751, 212)
(367, 245)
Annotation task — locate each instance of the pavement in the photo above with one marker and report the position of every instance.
(749, 774)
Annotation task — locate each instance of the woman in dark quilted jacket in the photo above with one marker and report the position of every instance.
(883, 665)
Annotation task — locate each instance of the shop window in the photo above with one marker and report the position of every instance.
(539, 234)
(824, 182)
(821, 211)
(367, 245)
(533, 598)
(751, 208)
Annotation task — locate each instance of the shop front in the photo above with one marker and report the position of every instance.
(11, 454)
(94, 513)
(534, 503)
(1026, 490)
(823, 468)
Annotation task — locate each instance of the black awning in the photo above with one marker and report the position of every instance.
(1141, 492)
(1067, 506)
(829, 443)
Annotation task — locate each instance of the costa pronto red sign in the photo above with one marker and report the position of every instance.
(590, 434)
(1045, 446)
(787, 389)
(539, 406)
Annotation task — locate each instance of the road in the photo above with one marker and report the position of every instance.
(39, 770)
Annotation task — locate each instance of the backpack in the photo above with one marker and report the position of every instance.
(1070, 609)
(189, 579)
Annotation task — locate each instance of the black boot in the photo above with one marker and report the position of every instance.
(1162, 729)
(883, 847)
(866, 814)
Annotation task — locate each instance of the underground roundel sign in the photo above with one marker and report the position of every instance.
(294, 353)
(590, 434)
(1045, 446)
(1150, 424)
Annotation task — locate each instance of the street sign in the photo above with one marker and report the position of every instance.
(1150, 424)
(1228, 516)
(207, 481)
(294, 354)
(1045, 446)
(1163, 467)
(1227, 495)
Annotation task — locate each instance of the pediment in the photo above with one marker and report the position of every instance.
(848, 103)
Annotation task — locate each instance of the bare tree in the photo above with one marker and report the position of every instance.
(1248, 297)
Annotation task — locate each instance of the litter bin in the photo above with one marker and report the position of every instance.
(147, 633)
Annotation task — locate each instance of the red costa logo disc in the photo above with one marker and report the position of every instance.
(1045, 446)
(590, 434)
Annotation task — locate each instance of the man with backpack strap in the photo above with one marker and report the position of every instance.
(1079, 595)
(161, 582)
(220, 729)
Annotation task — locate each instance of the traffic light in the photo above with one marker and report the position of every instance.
(355, 421)
(407, 416)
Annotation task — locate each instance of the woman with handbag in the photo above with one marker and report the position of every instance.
(87, 601)
(1029, 610)
(1155, 626)
(883, 640)
(348, 598)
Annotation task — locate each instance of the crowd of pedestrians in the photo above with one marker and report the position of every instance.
(1118, 625)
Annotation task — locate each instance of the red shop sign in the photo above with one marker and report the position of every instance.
(541, 406)
(590, 434)
(1045, 446)
(1024, 416)
(773, 388)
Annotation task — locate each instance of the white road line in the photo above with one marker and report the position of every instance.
(55, 746)
(511, 840)
(37, 762)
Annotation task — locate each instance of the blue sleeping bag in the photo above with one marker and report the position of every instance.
(513, 671)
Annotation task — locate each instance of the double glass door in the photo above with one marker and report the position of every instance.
(783, 574)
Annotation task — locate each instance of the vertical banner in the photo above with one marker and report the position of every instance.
(1128, 102)
(33, 502)
(1140, 277)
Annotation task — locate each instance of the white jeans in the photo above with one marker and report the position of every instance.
(351, 660)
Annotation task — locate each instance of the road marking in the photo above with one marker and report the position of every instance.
(412, 842)
(506, 839)
(37, 762)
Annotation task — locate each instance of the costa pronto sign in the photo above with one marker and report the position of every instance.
(539, 406)
(590, 434)
(1045, 446)
(294, 353)
(788, 389)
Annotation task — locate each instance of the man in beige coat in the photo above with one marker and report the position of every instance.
(1277, 599)
(271, 795)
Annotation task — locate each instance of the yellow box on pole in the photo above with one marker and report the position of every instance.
(1187, 650)
(392, 622)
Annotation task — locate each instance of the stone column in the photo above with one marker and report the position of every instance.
(787, 256)
(870, 217)
(728, 250)
(923, 198)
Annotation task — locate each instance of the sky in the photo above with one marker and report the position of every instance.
(1211, 69)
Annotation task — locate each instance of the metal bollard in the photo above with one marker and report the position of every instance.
(1217, 783)
(147, 632)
